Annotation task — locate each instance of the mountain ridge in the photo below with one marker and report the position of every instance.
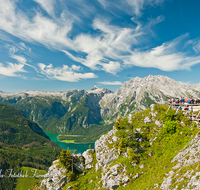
(82, 112)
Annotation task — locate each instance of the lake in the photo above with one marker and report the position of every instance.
(80, 148)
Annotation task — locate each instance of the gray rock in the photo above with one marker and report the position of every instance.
(152, 107)
(147, 120)
(104, 154)
(158, 123)
(78, 162)
(189, 154)
(111, 177)
(55, 177)
(88, 155)
(167, 181)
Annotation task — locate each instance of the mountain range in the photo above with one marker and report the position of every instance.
(91, 113)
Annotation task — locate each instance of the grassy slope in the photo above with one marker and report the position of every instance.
(169, 141)
(27, 182)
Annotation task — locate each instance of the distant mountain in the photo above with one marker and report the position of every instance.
(22, 143)
(91, 113)
(139, 93)
(72, 112)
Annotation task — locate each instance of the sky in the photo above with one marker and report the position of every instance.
(57, 45)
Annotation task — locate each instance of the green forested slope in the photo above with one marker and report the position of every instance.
(76, 116)
(22, 144)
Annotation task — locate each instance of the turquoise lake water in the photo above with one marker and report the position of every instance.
(80, 148)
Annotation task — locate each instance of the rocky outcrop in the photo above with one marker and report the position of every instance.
(88, 155)
(112, 177)
(188, 156)
(78, 162)
(55, 179)
(104, 152)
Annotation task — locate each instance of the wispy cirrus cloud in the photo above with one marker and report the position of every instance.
(64, 73)
(132, 7)
(108, 47)
(38, 29)
(111, 83)
(164, 57)
(47, 5)
(11, 69)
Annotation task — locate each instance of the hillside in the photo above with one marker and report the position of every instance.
(146, 150)
(22, 143)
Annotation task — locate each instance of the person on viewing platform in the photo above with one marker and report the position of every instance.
(177, 101)
(187, 100)
(191, 100)
(198, 100)
(182, 100)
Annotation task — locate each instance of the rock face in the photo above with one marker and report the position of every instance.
(111, 177)
(188, 156)
(88, 155)
(139, 93)
(78, 162)
(55, 178)
(105, 154)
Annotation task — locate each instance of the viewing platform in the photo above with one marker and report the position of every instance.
(189, 110)
(184, 106)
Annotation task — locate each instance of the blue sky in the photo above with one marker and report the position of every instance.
(57, 45)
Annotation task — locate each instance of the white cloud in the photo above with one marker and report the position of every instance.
(132, 7)
(64, 73)
(20, 59)
(11, 69)
(111, 83)
(111, 67)
(5, 37)
(164, 57)
(110, 49)
(49, 32)
(138, 5)
(47, 5)
(111, 44)
(104, 3)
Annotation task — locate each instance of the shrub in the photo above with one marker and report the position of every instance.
(66, 158)
(170, 127)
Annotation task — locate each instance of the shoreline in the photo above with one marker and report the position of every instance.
(76, 143)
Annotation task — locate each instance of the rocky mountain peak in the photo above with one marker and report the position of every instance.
(141, 92)
(94, 88)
